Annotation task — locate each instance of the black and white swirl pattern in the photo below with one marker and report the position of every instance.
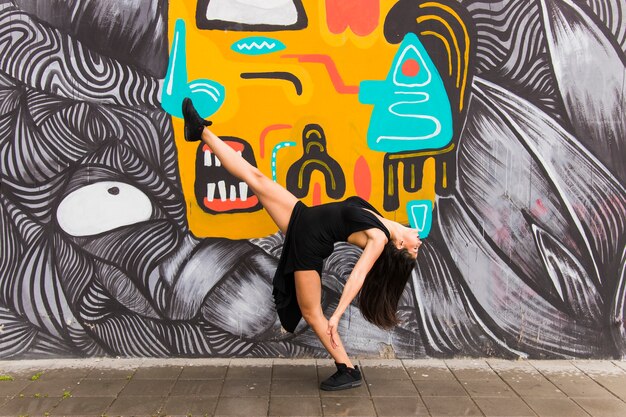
(48, 60)
(511, 49)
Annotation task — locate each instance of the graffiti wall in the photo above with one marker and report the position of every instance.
(495, 127)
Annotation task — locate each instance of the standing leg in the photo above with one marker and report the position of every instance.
(309, 294)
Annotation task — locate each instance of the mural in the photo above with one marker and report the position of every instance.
(497, 128)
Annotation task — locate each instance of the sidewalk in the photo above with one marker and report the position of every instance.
(289, 387)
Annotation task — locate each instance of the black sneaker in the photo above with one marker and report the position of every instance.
(194, 124)
(344, 378)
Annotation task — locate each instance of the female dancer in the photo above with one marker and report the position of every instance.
(380, 274)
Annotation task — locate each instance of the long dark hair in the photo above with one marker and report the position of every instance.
(384, 284)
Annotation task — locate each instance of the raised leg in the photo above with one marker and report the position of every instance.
(309, 295)
(277, 200)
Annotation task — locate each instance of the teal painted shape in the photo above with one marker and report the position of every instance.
(207, 95)
(420, 216)
(411, 111)
(257, 45)
(285, 144)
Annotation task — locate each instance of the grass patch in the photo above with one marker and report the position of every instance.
(36, 376)
(66, 394)
(6, 378)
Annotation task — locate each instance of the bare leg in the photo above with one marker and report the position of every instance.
(309, 294)
(278, 201)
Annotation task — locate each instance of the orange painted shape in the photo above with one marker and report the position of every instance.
(331, 68)
(317, 194)
(362, 178)
(266, 131)
(359, 15)
(235, 145)
(228, 205)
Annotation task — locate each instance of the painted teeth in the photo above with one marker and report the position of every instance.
(221, 186)
(208, 159)
(243, 191)
(210, 191)
(223, 195)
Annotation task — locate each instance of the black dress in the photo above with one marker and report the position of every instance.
(311, 235)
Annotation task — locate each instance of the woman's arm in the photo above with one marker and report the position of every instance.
(371, 252)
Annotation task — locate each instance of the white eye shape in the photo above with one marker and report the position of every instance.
(101, 207)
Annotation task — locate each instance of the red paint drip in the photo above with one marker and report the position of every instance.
(362, 178)
(317, 194)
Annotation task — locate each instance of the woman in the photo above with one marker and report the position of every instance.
(380, 274)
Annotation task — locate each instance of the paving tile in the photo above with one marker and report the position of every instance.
(620, 364)
(440, 388)
(203, 372)
(249, 372)
(51, 388)
(206, 387)
(428, 373)
(160, 372)
(536, 387)
(521, 375)
(488, 388)
(451, 406)
(392, 387)
(246, 406)
(509, 365)
(290, 406)
(580, 386)
(99, 387)
(82, 406)
(555, 407)
(28, 406)
(297, 387)
(599, 368)
(384, 373)
(65, 373)
(147, 387)
(473, 370)
(615, 384)
(493, 406)
(135, 405)
(96, 373)
(400, 406)
(555, 367)
(11, 388)
(294, 372)
(347, 406)
(245, 388)
(360, 391)
(602, 407)
(19, 375)
(189, 404)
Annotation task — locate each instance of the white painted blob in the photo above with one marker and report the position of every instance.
(103, 206)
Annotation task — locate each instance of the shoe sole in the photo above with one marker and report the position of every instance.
(341, 387)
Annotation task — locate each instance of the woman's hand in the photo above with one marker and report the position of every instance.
(333, 323)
